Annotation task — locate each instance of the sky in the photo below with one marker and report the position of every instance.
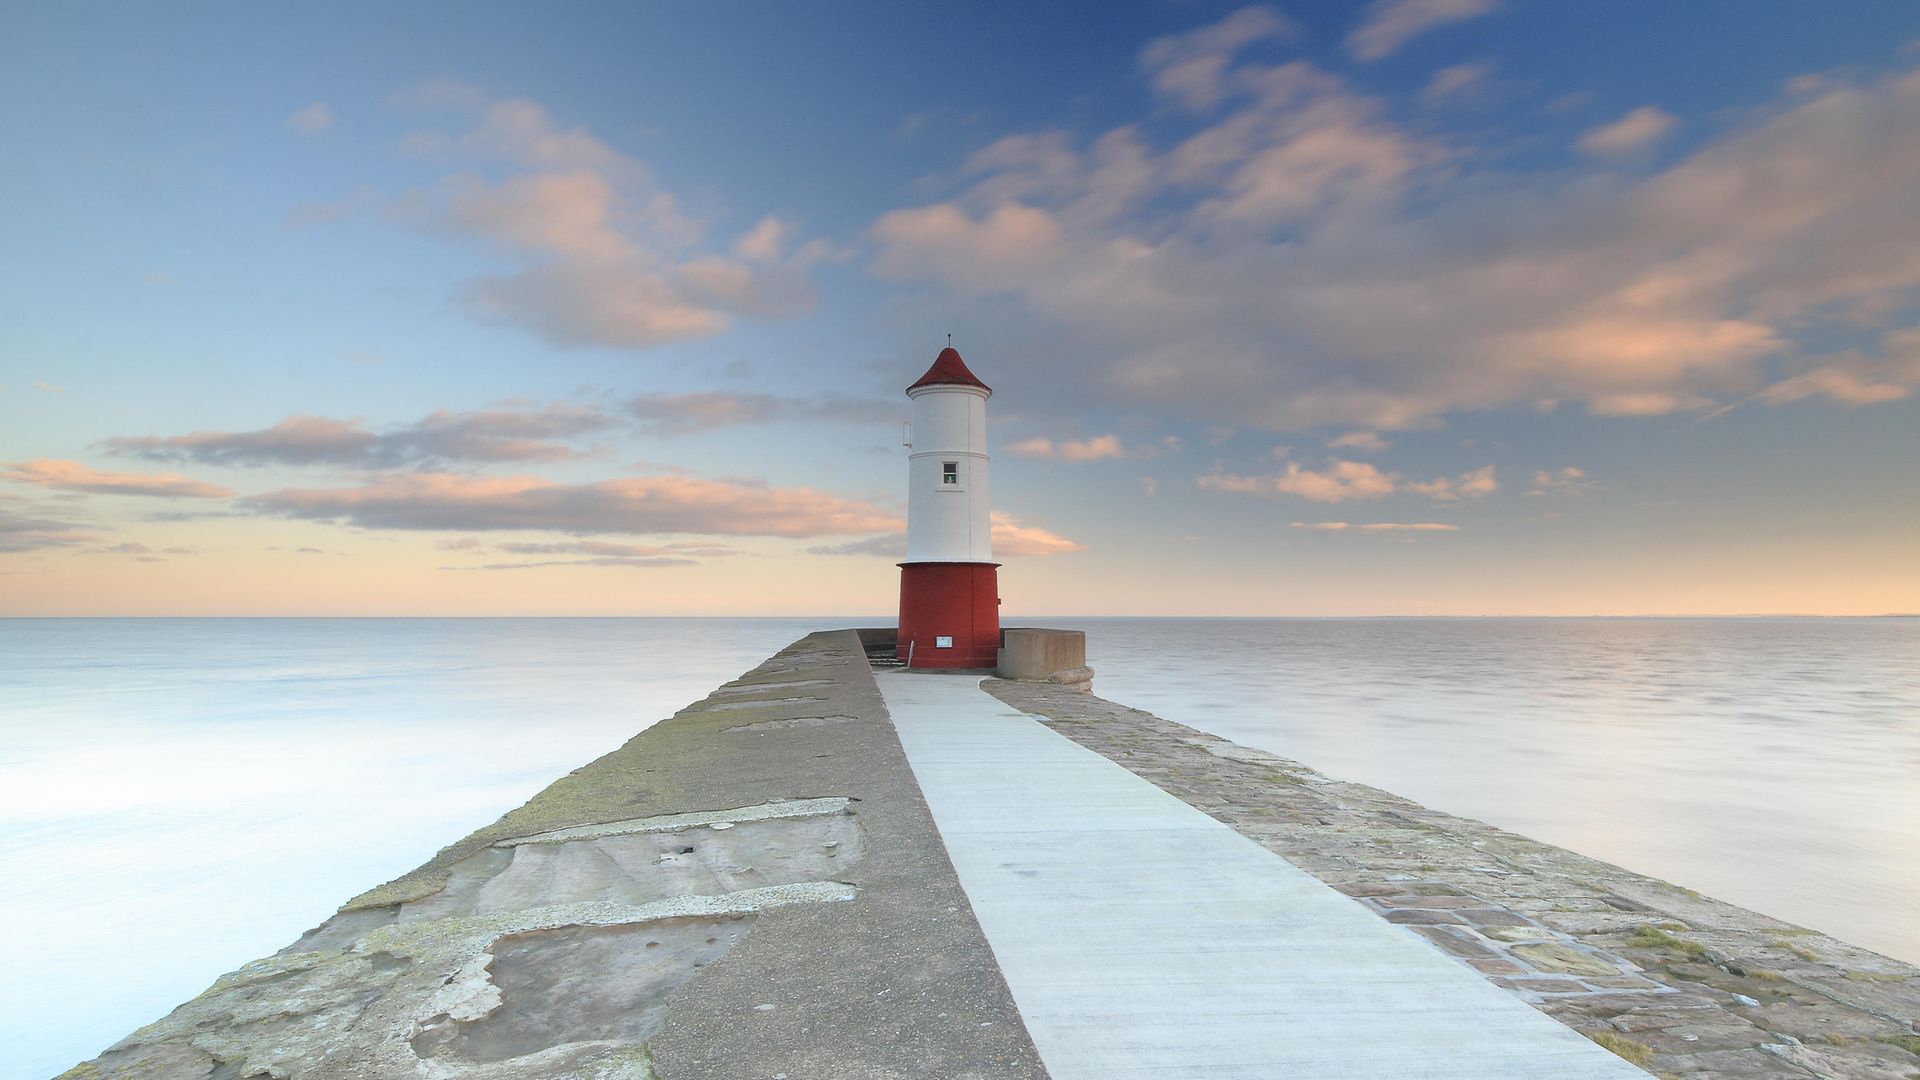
(1392, 307)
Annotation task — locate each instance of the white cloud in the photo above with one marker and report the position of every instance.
(1392, 23)
(1630, 134)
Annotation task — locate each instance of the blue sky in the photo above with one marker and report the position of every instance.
(606, 309)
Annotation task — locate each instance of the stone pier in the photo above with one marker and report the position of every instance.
(757, 887)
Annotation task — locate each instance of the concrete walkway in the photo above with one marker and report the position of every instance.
(1142, 938)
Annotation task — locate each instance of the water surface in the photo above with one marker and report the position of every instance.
(178, 797)
(1772, 763)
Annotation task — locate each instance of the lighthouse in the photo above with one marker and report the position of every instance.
(949, 588)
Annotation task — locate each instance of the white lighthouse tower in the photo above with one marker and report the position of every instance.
(949, 586)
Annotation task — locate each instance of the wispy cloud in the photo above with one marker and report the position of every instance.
(312, 119)
(1340, 481)
(632, 563)
(1375, 526)
(1012, 538)
(1477, 484)
(503, 435)
(1097, 448)
(1300, 260)
(608, 257)
(633, 505)
(1456, 82)
(30, 532)
(1364, 441)
(592, 553)
(1191, 67)
(885, 546)
(1630, 134)
(1392, 23)
(73, 476)
(1352, 481)
(690, 413)
(1571, 480)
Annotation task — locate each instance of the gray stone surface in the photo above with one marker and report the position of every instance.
(1685, 985)
(749, 889)
(1145, 939)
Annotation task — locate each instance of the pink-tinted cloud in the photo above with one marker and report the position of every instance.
(1011, 538)
(1340, 481)
(634, 505)
(73, 476)
(1477, 484)
(606, 256)
(1097, 448)
(1304, 261)
(1191, 67)
(1571, 480)
(1630, 134)
(1852, 381)
(1352, 481)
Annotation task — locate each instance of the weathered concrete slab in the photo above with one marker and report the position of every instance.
(1143, 938)
(1685, 984)
(751, 888)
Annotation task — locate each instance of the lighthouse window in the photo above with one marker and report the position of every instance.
(950, 472)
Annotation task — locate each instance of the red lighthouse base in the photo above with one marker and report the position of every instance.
(955, 602)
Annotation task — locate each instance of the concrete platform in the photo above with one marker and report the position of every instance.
(1142, 938)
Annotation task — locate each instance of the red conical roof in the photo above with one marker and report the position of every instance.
(949, 370)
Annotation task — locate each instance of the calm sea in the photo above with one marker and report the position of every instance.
(180, 796)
